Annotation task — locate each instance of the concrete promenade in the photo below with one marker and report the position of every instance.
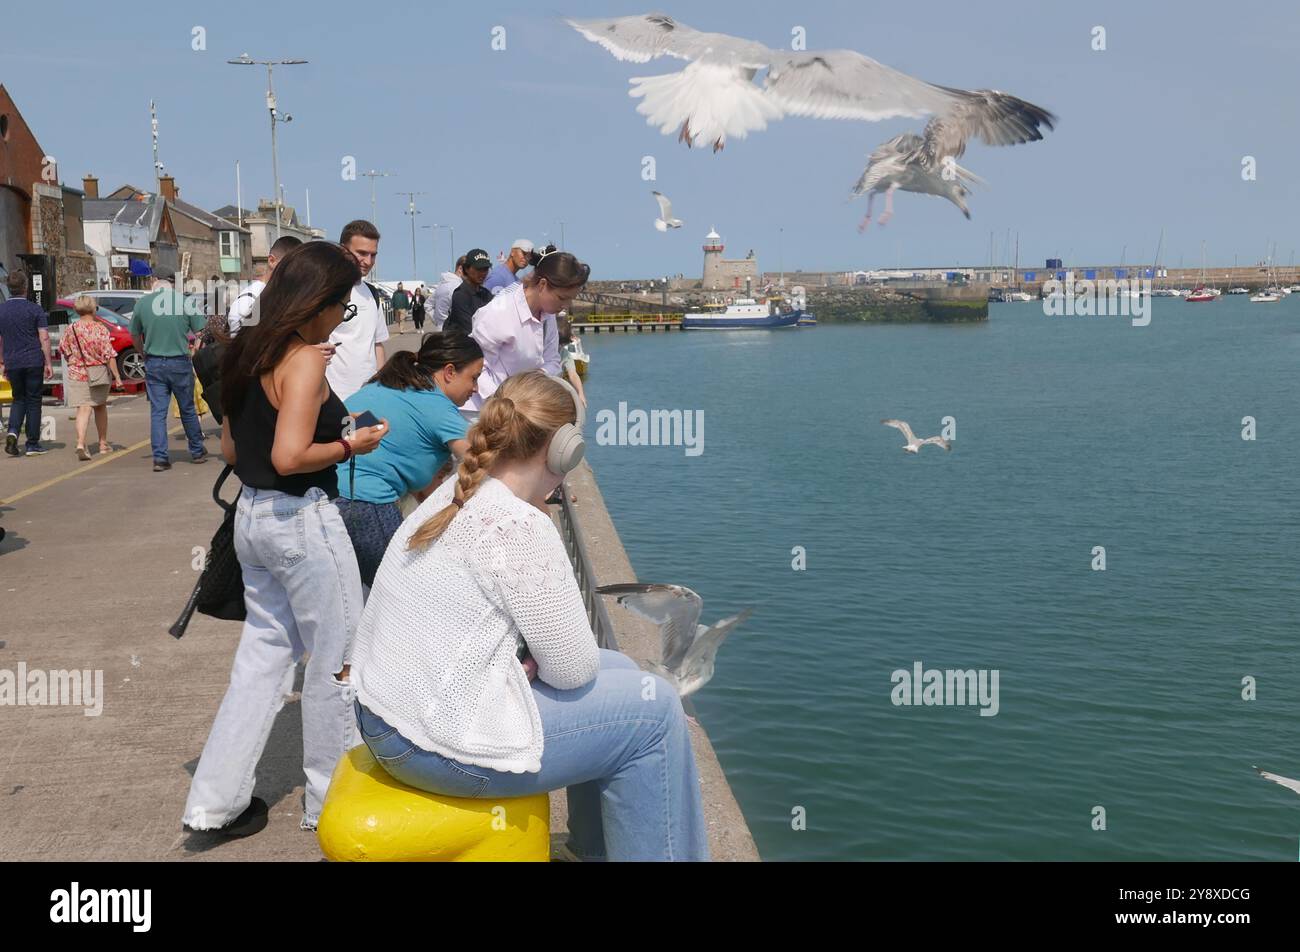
(97, 564)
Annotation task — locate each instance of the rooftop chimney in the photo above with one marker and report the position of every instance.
(167, 186)
(90, 185)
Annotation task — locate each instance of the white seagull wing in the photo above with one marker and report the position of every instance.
(995, 117)
(937, 441)
(1293, 785)
(648, 36)
(674, 608)
(901, 425)
(696, 669)
(665, 207)
(844, 84)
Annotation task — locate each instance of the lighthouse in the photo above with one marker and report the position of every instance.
(723, 275)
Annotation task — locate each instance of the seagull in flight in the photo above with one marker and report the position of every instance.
(1293, 785)
(716, 95)
(928, 163)
(913, 444)
(689, 648)
(665, 219)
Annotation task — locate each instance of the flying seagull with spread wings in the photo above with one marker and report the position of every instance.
(928, 163)
(913, 444)
(665, 219)
(716, 96)
(689, 648)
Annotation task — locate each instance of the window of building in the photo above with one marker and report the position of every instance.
(229, 244)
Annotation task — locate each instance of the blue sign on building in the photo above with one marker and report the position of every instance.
(1029, 275)
(1121, 272)
(1090, 274)
(1060, 275)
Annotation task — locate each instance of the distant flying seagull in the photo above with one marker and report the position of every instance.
(665, 219)
(689, 648)
(913, 444)
(928, 163)
(716, 96)
(1292, 785)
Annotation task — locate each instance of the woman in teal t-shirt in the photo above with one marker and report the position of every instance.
(419, 395)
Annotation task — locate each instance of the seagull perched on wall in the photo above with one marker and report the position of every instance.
(665, 219)
(689, 648)
(928, 163)
(716, 95)
(913, 444)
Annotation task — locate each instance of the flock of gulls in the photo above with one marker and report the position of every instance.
(716, 97)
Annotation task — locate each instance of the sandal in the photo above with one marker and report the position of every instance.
(105, 448)
(82, 454)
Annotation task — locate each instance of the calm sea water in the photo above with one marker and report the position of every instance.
(1119, 688)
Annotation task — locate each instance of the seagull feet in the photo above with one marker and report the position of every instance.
(884, 219)
(718, 146)
(685, 134)
(862, 225)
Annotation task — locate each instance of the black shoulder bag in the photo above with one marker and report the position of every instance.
(219, 591)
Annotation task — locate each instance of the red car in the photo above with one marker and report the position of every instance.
(130, 364)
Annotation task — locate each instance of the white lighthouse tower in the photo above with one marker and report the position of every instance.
(713, 270)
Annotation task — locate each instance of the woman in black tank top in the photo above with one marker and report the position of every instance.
(284, 433)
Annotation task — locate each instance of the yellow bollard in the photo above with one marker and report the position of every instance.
(370, 817)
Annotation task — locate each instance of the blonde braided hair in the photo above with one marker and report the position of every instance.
(516, 422)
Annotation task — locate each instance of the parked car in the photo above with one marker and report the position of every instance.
(120, 301)
(130, 363)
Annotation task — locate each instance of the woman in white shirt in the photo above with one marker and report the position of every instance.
(517, 328)
(478, 578)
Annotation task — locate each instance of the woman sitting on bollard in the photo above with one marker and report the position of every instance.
(420, 394)
(476, 580)
(284, 435)
(88, 355)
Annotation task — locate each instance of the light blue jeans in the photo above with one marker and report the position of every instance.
(619, 744)
(303, 594)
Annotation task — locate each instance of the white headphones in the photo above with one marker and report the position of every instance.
(567, 445)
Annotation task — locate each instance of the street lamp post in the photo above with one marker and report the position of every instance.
(246, 60)
(412, 211)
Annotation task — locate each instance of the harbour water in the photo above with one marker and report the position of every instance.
(1120, 689)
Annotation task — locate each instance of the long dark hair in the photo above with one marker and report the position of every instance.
(307, 280)
(407, 370)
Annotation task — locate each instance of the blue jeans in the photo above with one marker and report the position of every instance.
(619, 744)
(303, 595)
(165, 377)
(26, 383)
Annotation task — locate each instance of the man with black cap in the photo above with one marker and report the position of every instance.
(471, 295)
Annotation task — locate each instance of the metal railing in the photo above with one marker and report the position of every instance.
(629, 318)
(576, 547)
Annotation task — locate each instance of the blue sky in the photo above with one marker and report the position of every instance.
(507, 143)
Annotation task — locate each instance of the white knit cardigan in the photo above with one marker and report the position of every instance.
(434, 654)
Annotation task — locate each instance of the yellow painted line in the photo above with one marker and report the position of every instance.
(106, 458)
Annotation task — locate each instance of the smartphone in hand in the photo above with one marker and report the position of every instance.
(365, 418)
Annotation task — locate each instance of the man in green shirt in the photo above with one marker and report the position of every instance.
(160, 324)
(401, 305)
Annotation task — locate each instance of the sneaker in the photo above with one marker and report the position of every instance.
(201, 458)
(252, 820)
(35, 451)
(11, 444)
(160, 466)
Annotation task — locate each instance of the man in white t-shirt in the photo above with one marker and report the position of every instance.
(246, 303)
(358, 343)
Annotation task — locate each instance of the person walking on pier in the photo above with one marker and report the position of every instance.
(284, 435)
(160, 326)
(477, 579)
(88, 355)
(418, 300)
(401, 305)
(24, 361)
(359, 343)
(471, 295)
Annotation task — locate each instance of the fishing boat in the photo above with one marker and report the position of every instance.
(742, 314)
